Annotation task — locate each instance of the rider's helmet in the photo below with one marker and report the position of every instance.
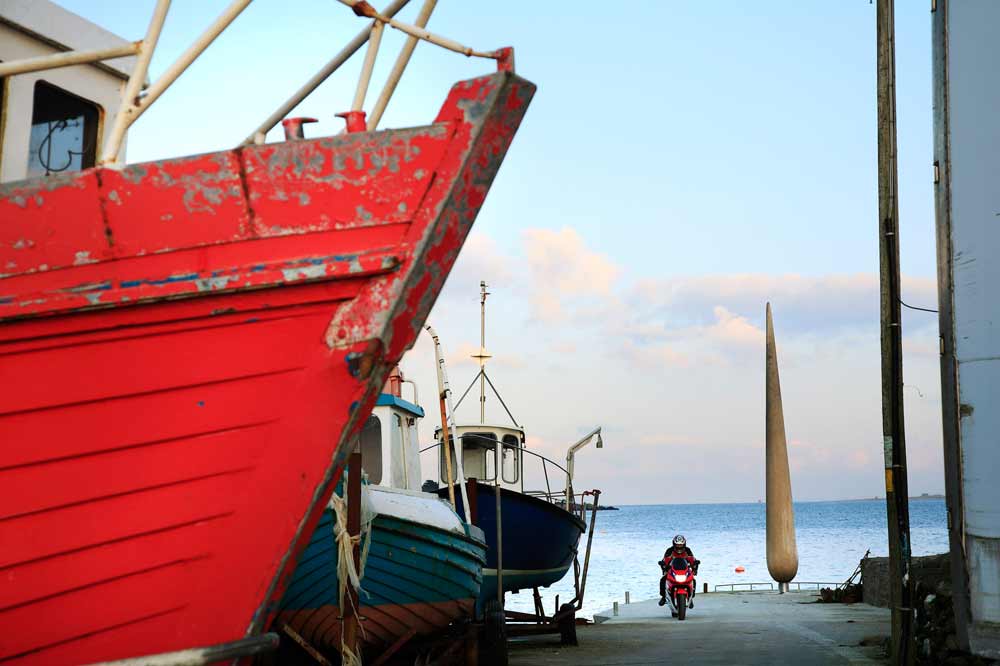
(680, 541)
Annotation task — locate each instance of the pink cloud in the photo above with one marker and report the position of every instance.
(463, 356)
(655, 355)
(799, 302)
(562, 267)
(481, 259)
(563, 348)
(731, 329)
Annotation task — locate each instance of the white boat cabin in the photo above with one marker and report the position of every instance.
(389, 441)
(479, 445)
(53, 121)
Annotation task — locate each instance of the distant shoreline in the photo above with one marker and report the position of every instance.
(922, 496)
(916, 498)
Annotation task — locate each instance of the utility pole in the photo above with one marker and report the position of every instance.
(894, 442)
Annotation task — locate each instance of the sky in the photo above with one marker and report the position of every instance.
(682, 164)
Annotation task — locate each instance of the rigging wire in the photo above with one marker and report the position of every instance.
(913, 307)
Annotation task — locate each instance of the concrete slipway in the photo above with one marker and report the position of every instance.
(724, 628)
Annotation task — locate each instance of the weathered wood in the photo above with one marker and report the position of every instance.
(394, 648)
(304, 644)
(894, 442)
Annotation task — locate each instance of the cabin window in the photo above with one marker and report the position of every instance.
(370, 445)
(63, 132)
(477, 455)
(397, 451)
(489, 457)
(511, 466)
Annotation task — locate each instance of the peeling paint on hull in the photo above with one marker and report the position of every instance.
(185, 357)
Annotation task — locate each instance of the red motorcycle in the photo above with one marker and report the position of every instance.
(680, 585)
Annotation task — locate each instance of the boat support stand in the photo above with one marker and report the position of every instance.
(563, 620)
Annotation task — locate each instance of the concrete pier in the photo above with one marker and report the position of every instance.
(724, 628)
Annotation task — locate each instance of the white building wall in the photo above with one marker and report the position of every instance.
(970, 223)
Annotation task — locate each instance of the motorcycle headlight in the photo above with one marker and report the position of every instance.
(680, 578)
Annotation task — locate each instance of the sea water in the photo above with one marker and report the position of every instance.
(832, 537)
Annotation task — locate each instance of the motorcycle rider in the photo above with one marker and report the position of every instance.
(678, 548)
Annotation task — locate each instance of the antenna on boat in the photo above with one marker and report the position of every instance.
(482, 355)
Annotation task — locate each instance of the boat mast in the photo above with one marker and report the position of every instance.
(482, 356)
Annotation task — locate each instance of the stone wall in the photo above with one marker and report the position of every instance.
(934, 625)
(930, 570)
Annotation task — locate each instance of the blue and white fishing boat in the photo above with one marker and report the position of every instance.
(540, 527)
(421, 563)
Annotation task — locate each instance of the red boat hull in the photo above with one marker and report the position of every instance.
(187, 350)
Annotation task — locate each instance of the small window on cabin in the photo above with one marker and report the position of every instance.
(370, 445)
(396, 434)
(478, 455)
(63, 132)
(489, 457)
(397, 452)
(511, 466)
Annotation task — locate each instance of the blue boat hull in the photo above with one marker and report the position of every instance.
(417, 577)
(540, 539)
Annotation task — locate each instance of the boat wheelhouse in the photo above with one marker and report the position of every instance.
(532, 533)
(478, 443)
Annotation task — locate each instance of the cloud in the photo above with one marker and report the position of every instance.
(653, 355)
(800, 303)
(924, 346)
(657, 440)
(725, 338)
(481, 259)
(720, 318)
(734, 330)
(671, 367)
(562, 269)
(463, 356)
(563, 347)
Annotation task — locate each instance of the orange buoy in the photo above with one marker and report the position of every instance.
(740, 570)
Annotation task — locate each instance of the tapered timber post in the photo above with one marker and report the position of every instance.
(782, 553)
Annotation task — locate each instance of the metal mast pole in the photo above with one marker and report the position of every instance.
(894, 442)
(482, 352)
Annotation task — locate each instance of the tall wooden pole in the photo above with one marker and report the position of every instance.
(894, 442)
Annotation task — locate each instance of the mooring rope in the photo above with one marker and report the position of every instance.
(347, 573)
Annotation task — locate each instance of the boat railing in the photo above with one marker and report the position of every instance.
(138, 96)
(558, 476)
(578, 501)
